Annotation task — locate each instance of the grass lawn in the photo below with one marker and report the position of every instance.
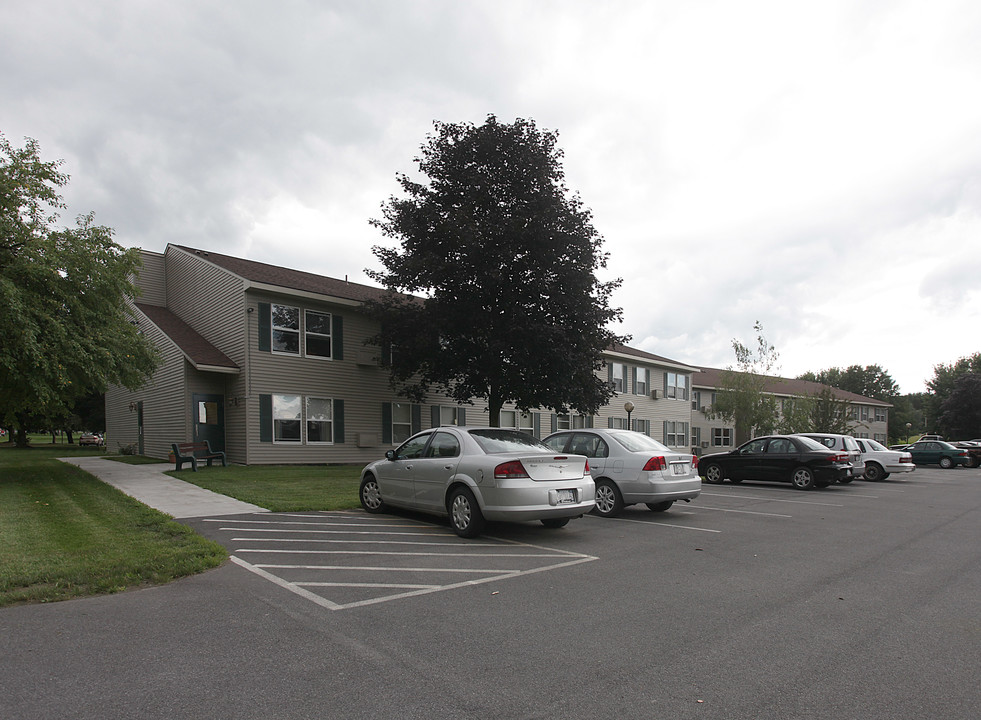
(66, 534)
(282, 488)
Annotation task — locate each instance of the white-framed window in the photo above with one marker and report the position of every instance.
(570, 422)
(675, 433)
(401, 422)
(696, 398)
(618, 423)
(865, 413)
(285, 329)
(676, 385)
(880, 414)
(619, 377)
(641, 425)
(642, 381)
(449, 415)
(320, 420)
(696, 436)
(721, 437)
(526, 423)
(317, 334)
(286, 412)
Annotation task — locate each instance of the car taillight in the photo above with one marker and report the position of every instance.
(586, 471)
(656, 463)
(694, 461)
(840, 457)
(907, 459)
(511, 469)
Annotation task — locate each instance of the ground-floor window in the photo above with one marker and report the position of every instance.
(300, 419)
(286, 411)
(675, 433)
(721, 437)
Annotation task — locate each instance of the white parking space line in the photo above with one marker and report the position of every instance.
(651, 523)
(743, 512)
(277, 552)
(737, 494)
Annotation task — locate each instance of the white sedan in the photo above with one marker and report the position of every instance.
(473, 475)
(880, 461)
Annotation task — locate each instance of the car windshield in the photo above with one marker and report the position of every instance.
(637, 442)
(496, 440)
(810, 443)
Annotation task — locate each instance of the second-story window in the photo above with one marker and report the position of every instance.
(318, 339)
(286, 329)
(642, 382)
(676, 386)
(619, 377)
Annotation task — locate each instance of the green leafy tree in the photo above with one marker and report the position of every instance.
(870, 381)
(823, 411)
(742, 398)
(63, 295)
(505, 259)
(960, 413)
(942, 386)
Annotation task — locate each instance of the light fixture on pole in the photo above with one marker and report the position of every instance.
(909, 426)
(629, 407)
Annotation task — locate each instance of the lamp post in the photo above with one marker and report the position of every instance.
(909, 426)
(629, 407)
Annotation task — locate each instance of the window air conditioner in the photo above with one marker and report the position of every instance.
(655, 394)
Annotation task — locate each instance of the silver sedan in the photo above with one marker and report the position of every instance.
(473, 475)
(630, 467)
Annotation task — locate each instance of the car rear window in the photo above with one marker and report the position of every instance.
(496, 440)
(812, 444)
(635, 442)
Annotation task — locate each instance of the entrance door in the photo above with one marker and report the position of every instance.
(139, 427)
(208, 417)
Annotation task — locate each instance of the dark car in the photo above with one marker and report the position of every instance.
(936, 452)
(973, 451)
(803, 462)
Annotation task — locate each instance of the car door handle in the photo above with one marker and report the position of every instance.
(447, 467)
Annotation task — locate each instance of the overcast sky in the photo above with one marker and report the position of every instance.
(815, 166)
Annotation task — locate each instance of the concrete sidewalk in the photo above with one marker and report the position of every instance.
(149, 485)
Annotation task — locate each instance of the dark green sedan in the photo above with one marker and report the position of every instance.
(937, 452)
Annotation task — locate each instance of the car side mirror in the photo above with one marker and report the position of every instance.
(390, 455)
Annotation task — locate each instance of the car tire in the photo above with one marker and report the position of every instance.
(465, 517)
(609, 501)
(972, 461)
(946, 463)
(555, 523)
(661, 506)
(714, 474)
(370, 495)
(874, 472)
(803, 478)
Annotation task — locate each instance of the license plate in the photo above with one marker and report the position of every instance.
(566, 496)
(679, 469)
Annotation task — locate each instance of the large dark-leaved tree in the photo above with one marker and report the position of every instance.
(63, 320)
(495, 294)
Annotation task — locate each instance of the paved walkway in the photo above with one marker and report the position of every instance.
(149, 485)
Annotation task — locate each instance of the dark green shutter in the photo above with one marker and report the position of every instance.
(265, 327)
(338, 422)
(589, 421)
(633, 378)
(462, 416)
(265, 418)
(434, 416)
(536, 424)
(337, 337)
(555, 422)
(386, 423)
(416, 418)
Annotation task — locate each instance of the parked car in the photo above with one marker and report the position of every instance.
(880, 461)
(937, 452)
(845, 444)
(629, 467)
(796, 459)
(973, 450)
(91, 439)
(473, 475)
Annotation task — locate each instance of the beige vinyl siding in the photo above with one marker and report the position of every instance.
(164, 402)
(152, 279)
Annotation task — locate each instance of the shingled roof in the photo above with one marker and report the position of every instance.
(294, 279)
(201, 353)
(712, 378)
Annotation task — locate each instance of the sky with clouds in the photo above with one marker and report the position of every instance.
(814, 166)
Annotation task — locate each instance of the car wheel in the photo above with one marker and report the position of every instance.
(555, 522)
(609, 501)
(465, 515)
(661, 506)
(973, 461)
(370, 495)
(803, 478)
(946, 463)
(873, 472)
(714, 474)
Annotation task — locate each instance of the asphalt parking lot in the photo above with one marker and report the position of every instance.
(754, 601)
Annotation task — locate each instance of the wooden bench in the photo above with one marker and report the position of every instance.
(193, 451)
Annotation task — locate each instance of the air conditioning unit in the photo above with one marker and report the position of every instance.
(705, 443)
(655, 394)
(367, 356)
(706, 408)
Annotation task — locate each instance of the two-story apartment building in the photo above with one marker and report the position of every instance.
(271, 365)
(869, 417)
